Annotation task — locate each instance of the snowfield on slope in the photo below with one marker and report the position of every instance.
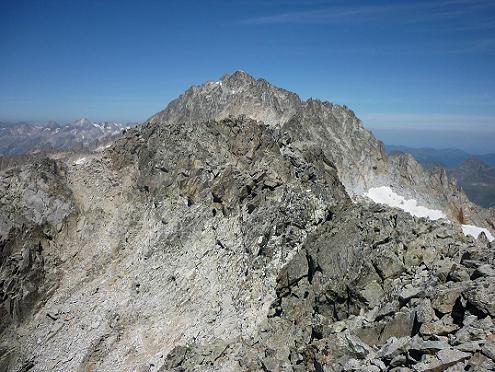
(385, 195)
(476, 231)
(80, 161)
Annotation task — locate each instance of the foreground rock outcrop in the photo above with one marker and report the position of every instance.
(34, 206)
(231, 244)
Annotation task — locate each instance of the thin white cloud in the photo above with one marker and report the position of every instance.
(326, 15)
(414, 12)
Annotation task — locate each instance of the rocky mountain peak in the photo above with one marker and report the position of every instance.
(82, 121)
(340, 132)
(238, 77)
(235, 94)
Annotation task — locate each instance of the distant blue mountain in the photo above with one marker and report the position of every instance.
(487, 159)
(474, 173)
(448, 158)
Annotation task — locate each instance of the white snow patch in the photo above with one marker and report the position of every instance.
(101, 148)
(80, 161)
(213, 84)
(385, 195)
(475, 231)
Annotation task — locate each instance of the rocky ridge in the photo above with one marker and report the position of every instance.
(231, 244)
(358, 156)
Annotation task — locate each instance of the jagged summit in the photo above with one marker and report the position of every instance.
(238, 76)
(235, 94)
(81, 122)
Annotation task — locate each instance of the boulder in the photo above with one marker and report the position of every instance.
(482, 295)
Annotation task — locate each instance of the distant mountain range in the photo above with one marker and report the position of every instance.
(477, 179)
(474, 173)
(27, 137)
(447, 158)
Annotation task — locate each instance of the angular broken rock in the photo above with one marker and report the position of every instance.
(483, 271)
(482, 295)
(444, 297)
(372, 293)
(488, 348)
(400, 325)
(440, 327)
(394, 346)
(425, 312)
(480, 363)
(449, 357)
(409, 292)
(443, 359)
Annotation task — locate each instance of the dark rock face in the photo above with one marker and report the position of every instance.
(35, 203)
(231, 244)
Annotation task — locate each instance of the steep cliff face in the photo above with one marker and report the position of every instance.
(232, 244)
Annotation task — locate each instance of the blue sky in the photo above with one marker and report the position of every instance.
(416, 72)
